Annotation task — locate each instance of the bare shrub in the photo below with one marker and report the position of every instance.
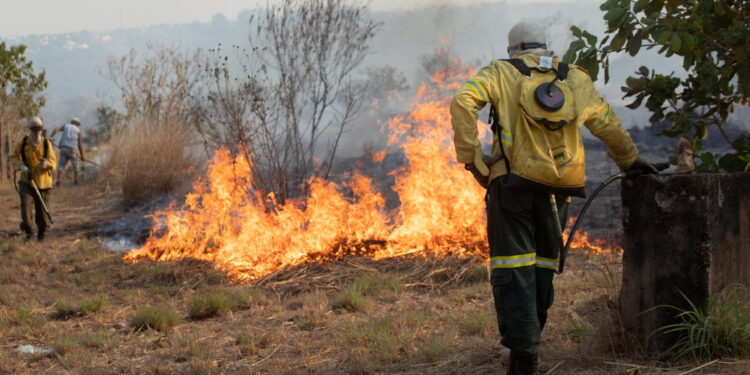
(286, 102)
(151, 143)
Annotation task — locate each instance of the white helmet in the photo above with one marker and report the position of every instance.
(527, 37)
(75, 121)
(34, 122)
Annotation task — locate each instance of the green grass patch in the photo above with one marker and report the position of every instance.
(31, 319)
(206, 306)
(218, 302)
(377, 285)
(354, 297)
(159, 318)
(719, 331)
(351, 299)
(65, 309)
(473, 322)
(387, 338)
(436, 348)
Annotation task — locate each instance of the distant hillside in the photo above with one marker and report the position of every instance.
(75, 62)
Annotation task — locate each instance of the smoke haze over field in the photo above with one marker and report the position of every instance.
(475, 31)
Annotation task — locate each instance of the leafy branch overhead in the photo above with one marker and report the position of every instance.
(710, 37)
(20, 86)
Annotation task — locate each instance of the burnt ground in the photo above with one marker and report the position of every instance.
(409, 315)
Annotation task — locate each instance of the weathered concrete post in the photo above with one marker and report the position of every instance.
(682, 233)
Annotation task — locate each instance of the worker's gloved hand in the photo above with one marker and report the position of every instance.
(481, 179)
(24, 169)
(643, 166)
(43, 165)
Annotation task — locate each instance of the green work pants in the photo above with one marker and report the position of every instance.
(524, 244)
(31, 208)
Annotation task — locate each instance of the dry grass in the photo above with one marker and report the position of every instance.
(424, 315)
(150, 160)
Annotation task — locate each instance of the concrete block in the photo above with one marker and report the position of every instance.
(682, 233)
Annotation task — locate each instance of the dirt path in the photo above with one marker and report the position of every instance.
(76, 210)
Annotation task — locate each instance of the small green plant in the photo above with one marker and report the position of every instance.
(210, 305)
(720, 330)
(65, 309)
(354, 297)
(158, 318)
(576, 328)
(93, 304)
(351, 299)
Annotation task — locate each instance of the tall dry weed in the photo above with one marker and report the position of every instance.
(151, 159)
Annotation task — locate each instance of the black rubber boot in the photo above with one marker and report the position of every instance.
(523, 364)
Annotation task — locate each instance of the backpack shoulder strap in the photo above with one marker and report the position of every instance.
(23, 150)
(519, 65)
(562, 71)
(46, 147)
(562, 68)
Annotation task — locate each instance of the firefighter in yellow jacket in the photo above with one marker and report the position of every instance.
(538, 106)
(35, 158)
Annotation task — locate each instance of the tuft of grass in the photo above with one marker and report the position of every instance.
(163, 273)
(577, 328)
(436, 348)
(29, 318)
(65, 345)
(351, 299)
(355, 297)
(218, 302)
(65, 309)
(158, 318)
(99, 339)
(206, 306)
(387, 338)
(721, 330)
(247, 343)
(377, 285)
(473, 323)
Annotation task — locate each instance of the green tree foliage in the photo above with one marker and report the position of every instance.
(20, 85)
(711, 39)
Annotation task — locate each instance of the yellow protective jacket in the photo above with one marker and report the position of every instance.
(34, 156)
(500, 84)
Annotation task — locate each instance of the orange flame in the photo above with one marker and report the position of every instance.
(582, 241)
(250, 235)
(440, 207)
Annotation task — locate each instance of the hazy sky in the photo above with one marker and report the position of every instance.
(59, 16)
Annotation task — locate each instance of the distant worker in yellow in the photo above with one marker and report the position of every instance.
(69, 141)
(538, 105)
(35, 158)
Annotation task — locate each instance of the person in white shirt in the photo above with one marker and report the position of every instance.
(69, 141)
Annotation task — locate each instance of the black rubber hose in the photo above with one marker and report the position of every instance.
(611, 179)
